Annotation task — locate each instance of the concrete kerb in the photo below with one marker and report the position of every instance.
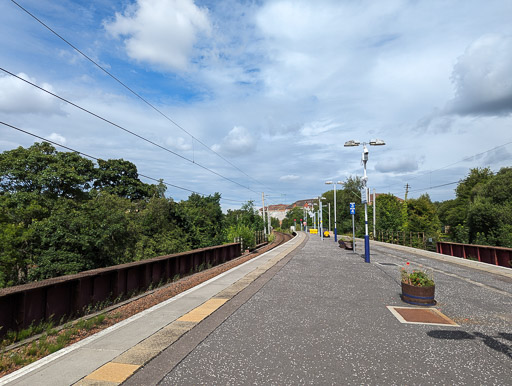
(495, 269)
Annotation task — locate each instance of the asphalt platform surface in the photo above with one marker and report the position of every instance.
(322, 319)
(320, 315)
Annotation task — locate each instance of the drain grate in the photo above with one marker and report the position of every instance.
(387, 264)
(421, 316)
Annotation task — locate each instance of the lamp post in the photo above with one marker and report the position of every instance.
(334, 186)
(329, 204)
(364, 159)
(321, 217)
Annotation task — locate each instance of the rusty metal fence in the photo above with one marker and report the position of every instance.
(484, 253)
(70, 295)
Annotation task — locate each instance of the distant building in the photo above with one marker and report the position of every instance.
(279, 211)
(307, 204)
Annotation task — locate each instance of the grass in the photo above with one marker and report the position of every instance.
(50, 341)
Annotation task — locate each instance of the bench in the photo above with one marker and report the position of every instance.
(346, 244)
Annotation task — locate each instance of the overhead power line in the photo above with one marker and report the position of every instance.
(433, 187)
(132, 91)
(97, 159)
(126, 130)
(426, 189)
(452, 164)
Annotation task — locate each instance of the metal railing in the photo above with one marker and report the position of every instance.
(411, 239)
(67, 296)
(487, 254)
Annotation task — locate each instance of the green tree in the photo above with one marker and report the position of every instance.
(472, 185)
(422, 215)
(243, 232)
(160, 226)
(351, 192)
(120, 177)
(294, 214)
(275, 223)
(81, 236)
(206, 220)
(388, 213)
(41, 169)
(247, 215)
(499, 188)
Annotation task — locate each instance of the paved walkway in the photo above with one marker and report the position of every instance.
(309, 313)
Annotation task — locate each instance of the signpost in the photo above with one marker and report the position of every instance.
(353, 212)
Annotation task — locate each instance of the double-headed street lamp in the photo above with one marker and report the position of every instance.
(364, 159)
(335, 230)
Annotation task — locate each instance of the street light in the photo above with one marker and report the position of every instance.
(364, 159)
(321, 217)
(335, 230)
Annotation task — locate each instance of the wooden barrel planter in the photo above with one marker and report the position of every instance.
(421, 296)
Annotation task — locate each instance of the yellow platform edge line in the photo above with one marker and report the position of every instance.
(113, 372)
(205, 309)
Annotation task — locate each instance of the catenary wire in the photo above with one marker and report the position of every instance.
(133, 92)
(126, 130)
(455, 163)
(96, 159)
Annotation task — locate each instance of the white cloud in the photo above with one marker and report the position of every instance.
(401, 165)
(289, 177)
(293, 80)
(179, 143)
(239, 141)
(317, 128)
(482, 77)
(18, 97)
(57, 138)
(161, 32)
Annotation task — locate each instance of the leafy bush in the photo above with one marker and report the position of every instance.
(416, 277)
(243, 232)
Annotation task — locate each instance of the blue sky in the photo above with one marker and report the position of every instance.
(273, 87)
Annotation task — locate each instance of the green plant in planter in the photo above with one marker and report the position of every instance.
(416, 277)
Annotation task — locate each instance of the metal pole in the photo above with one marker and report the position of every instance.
(374, 215)
(335, 230)
(268, 220)
(366, 237)
(321, 221)
(329, 217)
(263, 212)
(353, 235)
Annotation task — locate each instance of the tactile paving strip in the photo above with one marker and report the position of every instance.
(421, 316)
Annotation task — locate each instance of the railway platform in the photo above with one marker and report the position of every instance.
(307, 312)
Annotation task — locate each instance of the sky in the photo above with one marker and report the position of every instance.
(245, 97)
